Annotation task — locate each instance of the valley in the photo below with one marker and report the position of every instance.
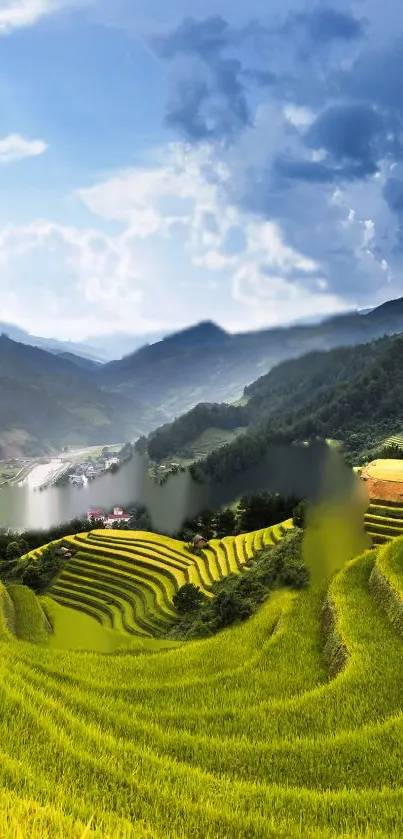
(233, 679)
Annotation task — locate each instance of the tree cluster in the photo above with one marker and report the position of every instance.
(237, 597)
(172, 438)
(252, 512)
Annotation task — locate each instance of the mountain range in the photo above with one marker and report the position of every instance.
(98, 348)
(49, 399)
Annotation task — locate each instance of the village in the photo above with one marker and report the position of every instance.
(93, 467)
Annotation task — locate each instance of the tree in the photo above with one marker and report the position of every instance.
(188, 598)
(229, 607)
(140, 445)
(224, 523)
(299, 515)
(13, 551)
(24, 547)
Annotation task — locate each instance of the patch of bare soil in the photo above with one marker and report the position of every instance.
(383, 490)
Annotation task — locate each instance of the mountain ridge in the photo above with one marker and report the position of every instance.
(135, 395)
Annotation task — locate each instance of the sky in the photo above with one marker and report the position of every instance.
(167, 163)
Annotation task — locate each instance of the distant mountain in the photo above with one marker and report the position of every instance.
(207, 364)
(48, 344)
(60, 397)
(47, 401)
(120, 344)
(80, 361)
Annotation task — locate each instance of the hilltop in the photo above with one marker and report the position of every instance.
(206, 364)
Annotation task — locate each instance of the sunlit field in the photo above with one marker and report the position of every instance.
(385, 470)
(289, 724)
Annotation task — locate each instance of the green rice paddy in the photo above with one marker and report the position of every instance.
(287, 725)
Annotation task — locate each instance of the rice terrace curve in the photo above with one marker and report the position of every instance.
(249, 733)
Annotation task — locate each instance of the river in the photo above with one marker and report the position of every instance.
(288, 470)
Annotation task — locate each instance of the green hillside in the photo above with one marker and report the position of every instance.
(125, 581)
(384, 520)
(286, 725)
(48, 401)
(353, 395)
(224, 737)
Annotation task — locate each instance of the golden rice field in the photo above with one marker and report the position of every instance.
(385, 470)
(384, 520)
(287, 725)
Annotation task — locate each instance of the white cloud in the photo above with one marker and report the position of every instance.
(14, 147)
(271, 299)
(18, 13)
(298, 116)
(180, 231)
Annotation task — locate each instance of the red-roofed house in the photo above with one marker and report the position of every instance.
(117, 516)
(96, 515)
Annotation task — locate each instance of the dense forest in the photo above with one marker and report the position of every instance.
(353, 395)
(173, 437)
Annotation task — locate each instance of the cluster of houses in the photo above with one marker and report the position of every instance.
(84, 472)
(111, 519)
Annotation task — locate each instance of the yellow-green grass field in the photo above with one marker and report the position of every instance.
(119, 586)
(385, 470)
(287, 725)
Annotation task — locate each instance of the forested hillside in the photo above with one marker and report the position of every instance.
(48, 401)
(352, 394)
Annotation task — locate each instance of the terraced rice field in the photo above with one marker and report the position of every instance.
(126, 580)
(384, 520)
(397, 439)
(287, 725)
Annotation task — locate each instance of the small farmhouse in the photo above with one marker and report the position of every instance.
(117, 516)
(64, 552)
(199, 541)
(95, 515)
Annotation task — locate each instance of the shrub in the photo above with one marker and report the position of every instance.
(299, 515)
(188, 598)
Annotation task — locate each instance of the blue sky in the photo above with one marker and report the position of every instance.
(197, 160)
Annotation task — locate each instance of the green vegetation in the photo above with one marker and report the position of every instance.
(7, 471)
(237, 597)
(174, 438)
(353, 395)
(131, 581)
(287, 725)
(48, 402)
(384, 520)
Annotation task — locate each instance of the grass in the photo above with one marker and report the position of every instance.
(126, 580)
(384, 521)
(386, 470)
(287, 725)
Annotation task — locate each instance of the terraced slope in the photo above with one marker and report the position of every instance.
(266, 730)
(397, 439)
(126, 580)
(384, 521)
